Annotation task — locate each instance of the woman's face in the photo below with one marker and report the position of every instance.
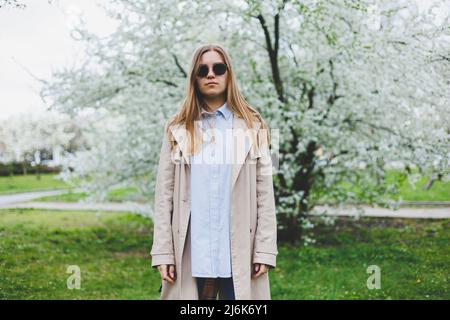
(212, 86)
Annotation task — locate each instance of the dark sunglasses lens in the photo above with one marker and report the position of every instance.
(219, 69)
(203, 71)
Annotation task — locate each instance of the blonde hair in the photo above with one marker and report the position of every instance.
(193, 102)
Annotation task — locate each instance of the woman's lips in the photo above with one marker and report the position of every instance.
(211, 84)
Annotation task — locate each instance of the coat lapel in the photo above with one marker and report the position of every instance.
(242, 142)
(180, 135)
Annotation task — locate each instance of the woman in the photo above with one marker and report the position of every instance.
(215, 228)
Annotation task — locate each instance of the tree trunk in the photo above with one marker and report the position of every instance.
(24, 168)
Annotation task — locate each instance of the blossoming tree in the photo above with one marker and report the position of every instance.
(349, 86)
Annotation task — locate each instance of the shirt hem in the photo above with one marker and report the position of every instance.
(211, 276)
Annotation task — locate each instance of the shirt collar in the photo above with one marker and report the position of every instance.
(224, 110)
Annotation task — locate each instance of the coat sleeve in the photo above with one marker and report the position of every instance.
(265, 249)
(162, 251)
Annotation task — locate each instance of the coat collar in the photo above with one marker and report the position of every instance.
(242, 143)
(224, 110)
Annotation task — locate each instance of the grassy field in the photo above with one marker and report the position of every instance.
(413, 256)
(112, 251)
(438, 192)
(27, 183)
(16, 184)
(116, 195)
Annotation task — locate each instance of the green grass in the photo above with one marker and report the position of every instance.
(116, 195)
(110, 248)
(67, 197)
(413, 256)
(14, 184)
(112, 251)
(439, 191)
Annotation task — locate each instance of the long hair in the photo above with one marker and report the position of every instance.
(193, 103)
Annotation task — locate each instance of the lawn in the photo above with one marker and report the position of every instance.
(413, 256)
(110, 248)
(116, 195)
(14, 184)
(440, 191)
(112, 251)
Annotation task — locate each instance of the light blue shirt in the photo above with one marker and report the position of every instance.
(211, 198)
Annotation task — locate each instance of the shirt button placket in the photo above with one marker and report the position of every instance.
(215, 192)
(214, 211)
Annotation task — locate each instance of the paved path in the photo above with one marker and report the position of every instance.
(426, 203)
(22, 200)
(427, 213)
(27, 196)
(107, 206)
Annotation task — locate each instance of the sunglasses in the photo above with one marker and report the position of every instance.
(218, 69)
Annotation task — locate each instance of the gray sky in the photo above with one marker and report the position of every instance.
(37, 38)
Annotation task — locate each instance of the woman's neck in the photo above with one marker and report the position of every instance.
(215, 104)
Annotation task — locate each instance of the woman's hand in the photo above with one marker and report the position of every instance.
(259, 269)
(167, 272)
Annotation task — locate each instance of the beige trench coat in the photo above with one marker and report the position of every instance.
(253, 226)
